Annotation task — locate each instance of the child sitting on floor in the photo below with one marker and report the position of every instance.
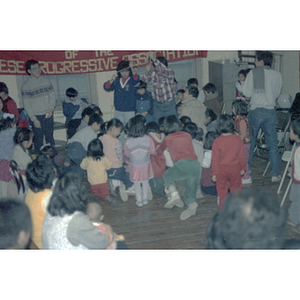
(94, 212)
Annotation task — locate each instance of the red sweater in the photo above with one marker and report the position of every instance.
(180, 146)
(227, 150)
(158, 161)
(10, 106)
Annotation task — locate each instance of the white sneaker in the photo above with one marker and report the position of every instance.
(122, 192)
(131, 190)
(199, 193)
(247, 181)
(150, 196)
(191, 211)
(276, 178)
(139, 203)
(174, 200)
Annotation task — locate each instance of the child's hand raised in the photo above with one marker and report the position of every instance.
(152, 55)
(242, 172)
(113, 78)
(214, 178)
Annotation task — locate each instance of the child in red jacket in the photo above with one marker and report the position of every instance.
(158, 162)
(228, 159)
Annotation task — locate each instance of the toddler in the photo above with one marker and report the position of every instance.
(242, 129)
(144, 102)
(96, 164)
(94, 212)
(228, 159)
(137, 150)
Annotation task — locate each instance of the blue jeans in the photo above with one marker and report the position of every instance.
(265, 119)
(76, 153)
(163, 109)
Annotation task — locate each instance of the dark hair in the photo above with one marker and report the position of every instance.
(193, 90)
(251, 219)
(95, 118)
(114, 122)
(152, 127)
(95, 149)
(22, 134)
(87, 112)
(241, 107)
(161, 121)
(243, 72)
(192, 81)
(40, 173)
(14, 217)
(225, 124)
(96, 109)
(163, 60)
(3, 88)
(209, 139)
(136, 126)
(266, 56)
(191, 128)
(71, 92)
(172, 124)
(295, 123)
(209, 87)
(122, 65)
(185, 119)
(8, 122)
(68, 195)
(178, 105)
(180, 91)
(30, 63)
(49, 150)
(141, 85)
(210, 113)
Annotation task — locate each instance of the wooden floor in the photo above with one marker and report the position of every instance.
(154, 227)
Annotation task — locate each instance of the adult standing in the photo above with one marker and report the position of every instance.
(263, 85)
(9, 105)
(39, 103)
(162, 80)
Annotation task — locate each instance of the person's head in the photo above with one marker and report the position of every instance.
(8, 121)
(94, 212)
(72, 94)
(141, 88)
(172, 124)
(86, 113)
(191, 91)
(48, 150)
(242, 75)
(251, 219)
(96, 109)
(209, 89)
(263, 58)
(180, 94)
(161, 121)
(95, 149)
(112, 127)
(3, 90)
(33, 68)
(225, 124)
(164, 61)
(41, 173)
(209, 139)
(123, 69)
(68, 195)
(239, 108)
(210, 115)
(95, 122)
(295, 130)
(185, 119)
(179, 108)
(192, 82)
(136, 126)
(152, 127)
(23, 137)
(15, 224)
(191, 128)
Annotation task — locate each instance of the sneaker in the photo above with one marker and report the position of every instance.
(174, 200)
(139, 203)
(150, 195)
(145, 201)
(276, 178)
(131, 190)
(111, 187)
(191, 211)
(122, 192)
(113, 201)
(199, 193)
(247, 181)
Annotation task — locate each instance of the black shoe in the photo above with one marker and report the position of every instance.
(113, 201)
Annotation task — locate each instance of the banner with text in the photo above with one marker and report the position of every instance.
(75, 62)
